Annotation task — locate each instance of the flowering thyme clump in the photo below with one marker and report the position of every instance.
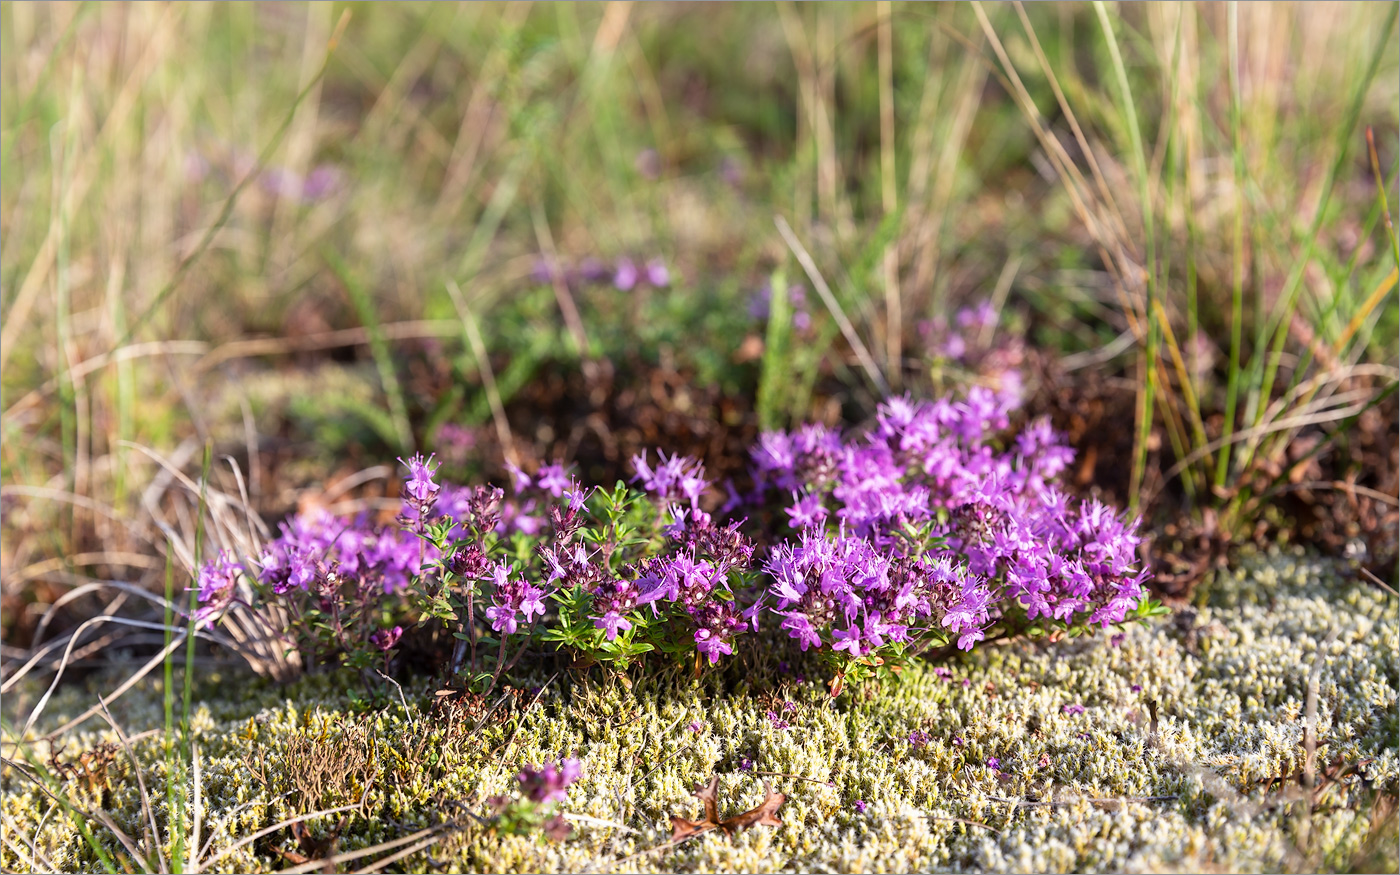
(930, 531)
(659, 577)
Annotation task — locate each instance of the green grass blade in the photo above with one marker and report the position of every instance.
(1145, 408)
(1232, 387)
(776, 367)
(379, 349)
(1265, 369)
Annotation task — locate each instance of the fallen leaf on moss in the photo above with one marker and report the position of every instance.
(765, 814)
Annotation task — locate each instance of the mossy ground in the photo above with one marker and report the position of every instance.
(1099, 790)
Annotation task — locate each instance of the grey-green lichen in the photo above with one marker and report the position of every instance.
(1209, 782)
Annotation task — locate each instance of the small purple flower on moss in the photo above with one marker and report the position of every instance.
(1137, 688)
(696, 726)
(860, 806)
(550, 782)
(994, 764)
(1073, 710)
(918, 738)
(745, 764)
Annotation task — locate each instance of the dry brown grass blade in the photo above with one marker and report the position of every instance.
(1127, 273)
(39, 569)
(1372, 302)
(79, 501)
(37, 861)
(567, 308)
(316, 865)
(406, 852)
(847, 329)
(475, 127)
(153, 835)
(281, 825)
(77, 186)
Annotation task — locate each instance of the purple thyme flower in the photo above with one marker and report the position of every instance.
(625, 279)
(552, 479)
(218, 581)
(420, 485)
(549, 783)
(385, 639)
(673, 480)
(807, 511)
(512, 596)
(657, 275)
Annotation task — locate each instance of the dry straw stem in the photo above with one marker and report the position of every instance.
(848, 330)
(81, 180)
(488, 376)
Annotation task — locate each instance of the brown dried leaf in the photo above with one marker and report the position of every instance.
(682, 829)
(765, 814)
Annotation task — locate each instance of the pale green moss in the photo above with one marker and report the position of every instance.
(1072, 792)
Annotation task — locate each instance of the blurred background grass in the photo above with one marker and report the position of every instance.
(317, 234)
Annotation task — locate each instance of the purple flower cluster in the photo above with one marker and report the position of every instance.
(511, 598)
(625, 274)
(218, 585)
(677, 480)
(317, 549)
(550, 782)
(762, 302)
(935, 526)
(925, 524)
(692, 580)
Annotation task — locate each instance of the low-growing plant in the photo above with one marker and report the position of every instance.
(937, 529)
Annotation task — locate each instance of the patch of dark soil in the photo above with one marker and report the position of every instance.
(600, 424)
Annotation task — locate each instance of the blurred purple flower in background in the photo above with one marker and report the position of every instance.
(626, 275)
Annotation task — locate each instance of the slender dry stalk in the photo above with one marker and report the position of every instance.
(848, 330)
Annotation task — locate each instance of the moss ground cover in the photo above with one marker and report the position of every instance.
(1178, 746)
(254, 251)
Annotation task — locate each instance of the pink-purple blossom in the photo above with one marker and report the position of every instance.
(1006, 537)
(550, 782)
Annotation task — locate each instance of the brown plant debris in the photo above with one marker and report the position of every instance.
(764, 814)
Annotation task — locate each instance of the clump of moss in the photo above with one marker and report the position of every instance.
(1178, 745)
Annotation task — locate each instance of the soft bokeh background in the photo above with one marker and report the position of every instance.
(320, 236)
